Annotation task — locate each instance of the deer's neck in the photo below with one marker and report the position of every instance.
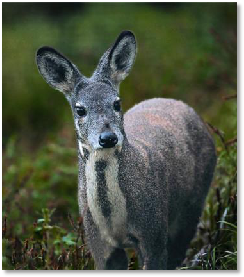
(104, 197)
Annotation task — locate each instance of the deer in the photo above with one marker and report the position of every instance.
(143, 176)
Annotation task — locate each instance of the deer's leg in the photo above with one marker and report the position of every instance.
(110, 259)
(154, 253)
(178, 245)
(106, 256)
(117, 260)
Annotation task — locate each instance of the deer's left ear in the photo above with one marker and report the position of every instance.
(118, 60)
(122, 56)
(57, 70)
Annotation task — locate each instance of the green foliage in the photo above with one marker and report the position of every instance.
(185, 51)
(48, 247)
(47, 179)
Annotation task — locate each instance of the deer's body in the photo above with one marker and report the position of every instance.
(144, 185)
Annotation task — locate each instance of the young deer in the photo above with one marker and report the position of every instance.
(143, 178)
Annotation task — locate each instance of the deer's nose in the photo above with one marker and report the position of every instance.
(108, 139)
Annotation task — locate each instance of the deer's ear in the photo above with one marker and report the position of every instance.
(57, 71)
(122, 56)
(117, 61)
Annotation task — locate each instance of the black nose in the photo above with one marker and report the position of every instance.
(108, 139)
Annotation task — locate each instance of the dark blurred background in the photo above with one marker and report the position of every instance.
(186, 51)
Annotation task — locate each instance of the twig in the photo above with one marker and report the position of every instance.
(228, 97)
(4, 226)
(231, 141)
(72, 222)
(218, 132)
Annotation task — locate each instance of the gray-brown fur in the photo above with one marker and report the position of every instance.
(147, 191)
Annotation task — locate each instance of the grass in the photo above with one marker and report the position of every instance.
(215, 244)
(49, 247)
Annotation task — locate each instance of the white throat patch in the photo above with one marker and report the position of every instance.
(116, 199)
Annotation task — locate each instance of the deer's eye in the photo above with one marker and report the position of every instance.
(81, 111)
(117, 106)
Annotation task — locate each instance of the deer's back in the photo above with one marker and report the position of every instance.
(178, 149)
(158, 123)
(155, 115)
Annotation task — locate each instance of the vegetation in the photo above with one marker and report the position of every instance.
(186, 51)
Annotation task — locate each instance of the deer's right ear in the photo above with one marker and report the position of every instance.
(57, 71)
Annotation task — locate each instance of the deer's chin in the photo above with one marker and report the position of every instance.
(117, 147)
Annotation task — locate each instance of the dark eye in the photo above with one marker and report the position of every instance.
(81, 111)
(117, 106)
